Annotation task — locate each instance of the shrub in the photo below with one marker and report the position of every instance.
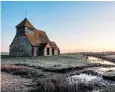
(20, 70)
(62, 85)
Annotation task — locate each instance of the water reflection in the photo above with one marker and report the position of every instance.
(92, 78)
(81, 77)
(103, 70)
(98, 60)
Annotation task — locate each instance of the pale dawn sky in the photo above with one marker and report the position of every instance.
(74, 26)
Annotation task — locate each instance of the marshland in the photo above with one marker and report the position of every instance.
(63, 73)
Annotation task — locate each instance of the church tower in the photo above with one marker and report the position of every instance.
(24, 27)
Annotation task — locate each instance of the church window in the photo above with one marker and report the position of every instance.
(20, 48)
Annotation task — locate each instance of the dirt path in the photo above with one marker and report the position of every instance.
(12, 83)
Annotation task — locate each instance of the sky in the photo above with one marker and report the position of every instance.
(74, 26)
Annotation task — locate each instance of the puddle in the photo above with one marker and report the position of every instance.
(97, 60)
(92, 78)
(103, 70)
(82, 78)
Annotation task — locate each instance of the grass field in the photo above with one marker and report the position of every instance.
(62, 61)
(47, 74)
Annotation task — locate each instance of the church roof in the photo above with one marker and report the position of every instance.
(53, 45)
(25, 23)
(37, 37)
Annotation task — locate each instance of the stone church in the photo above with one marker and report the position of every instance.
(30, 41)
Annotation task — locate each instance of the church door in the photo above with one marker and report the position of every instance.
(47, 51)
(52, 51)
(41, 51)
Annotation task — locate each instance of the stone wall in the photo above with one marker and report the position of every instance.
(55, 52)
(35, 49)
(45, 50)
(20, 47)
(20, 31)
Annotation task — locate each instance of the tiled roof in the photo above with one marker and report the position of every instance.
(53, 45)
(37, 37)
(25, 23)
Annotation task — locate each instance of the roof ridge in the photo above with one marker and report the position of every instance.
(25, 23)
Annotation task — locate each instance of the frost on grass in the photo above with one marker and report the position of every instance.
(62, 61)
(11, 83)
